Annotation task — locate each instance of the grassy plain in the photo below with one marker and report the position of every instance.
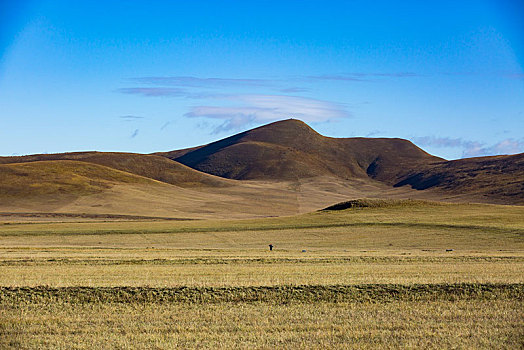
(468, 324)
(463, 257)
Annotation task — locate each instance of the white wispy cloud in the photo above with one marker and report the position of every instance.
(445, 142)
(265, 108)
(507, 146)
(472, 148)
(237, 108)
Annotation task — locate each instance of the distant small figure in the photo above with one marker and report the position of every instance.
(271, 247)
(449, 250)
(303, 250)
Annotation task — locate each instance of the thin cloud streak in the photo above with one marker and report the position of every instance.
(362, 77)
(129, 118)
(135, 133)
(192, 82)
(444, 142)
(494, 74)
(335, 77)
(518, 76)
(188, 81)
(293, 90)
(154, 92)
(373, 133)
(170, 92)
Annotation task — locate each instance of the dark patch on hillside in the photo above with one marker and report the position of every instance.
(377, 203)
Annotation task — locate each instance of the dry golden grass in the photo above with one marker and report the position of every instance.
(405, 242)
(400, 246)
(400, 214)
(165, 274)
(468, 324)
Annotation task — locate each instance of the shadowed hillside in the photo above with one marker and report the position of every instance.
(499, 178)
(290, 149)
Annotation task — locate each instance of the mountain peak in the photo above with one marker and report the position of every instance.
(286, 124)
(287, 132)
(289, 121)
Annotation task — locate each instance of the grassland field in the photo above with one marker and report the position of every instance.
(405, 274)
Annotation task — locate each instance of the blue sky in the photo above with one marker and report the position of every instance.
(146, 76)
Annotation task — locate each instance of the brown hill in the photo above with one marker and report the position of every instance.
(290, 150)
(150, 166)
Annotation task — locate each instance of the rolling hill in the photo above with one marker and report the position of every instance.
(49, 185)
(56, 178)
(282, 168)
(79, 187)
(150, 166)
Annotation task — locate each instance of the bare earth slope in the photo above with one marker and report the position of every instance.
(59, 188)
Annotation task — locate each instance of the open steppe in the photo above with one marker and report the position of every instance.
(383, 273)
